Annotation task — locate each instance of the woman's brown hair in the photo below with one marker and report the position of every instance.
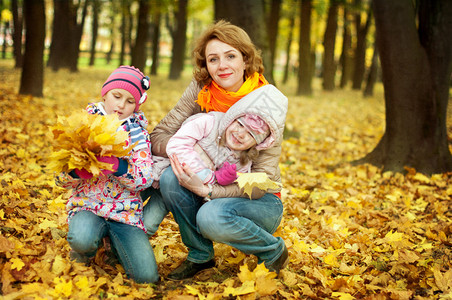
(235, 37)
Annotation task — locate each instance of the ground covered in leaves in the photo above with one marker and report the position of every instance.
(352, 231)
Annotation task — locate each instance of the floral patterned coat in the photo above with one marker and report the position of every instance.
(113, 197)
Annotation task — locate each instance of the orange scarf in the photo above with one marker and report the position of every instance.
(213, 97)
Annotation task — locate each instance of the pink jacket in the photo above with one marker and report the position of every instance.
(197, 144)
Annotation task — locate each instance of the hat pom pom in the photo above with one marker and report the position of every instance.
(145, 82)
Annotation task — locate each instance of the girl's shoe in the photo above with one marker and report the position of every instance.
(80, 258)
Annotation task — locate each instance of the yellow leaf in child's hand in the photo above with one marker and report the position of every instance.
(81, 137)
(260, 180)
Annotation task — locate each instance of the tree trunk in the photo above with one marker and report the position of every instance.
(273, 33)
(62, 49)
(78, 33)
(125, 25)
(372, 76)
(17, 34)
(416, 75)
(110, 52)
(95, 26)
(139, 48)
(32, 78)
(289, 41)
(360, 50)
(329, 42)
(248, 15)
(179, 41)
(346, 56)
(6, 28)
(304, 53)
(155, 43)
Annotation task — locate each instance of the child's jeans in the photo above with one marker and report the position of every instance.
(135, 253)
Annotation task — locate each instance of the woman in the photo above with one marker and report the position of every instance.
(228, 67)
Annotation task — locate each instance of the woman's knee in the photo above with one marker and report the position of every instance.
(212, 222)
(168, 180)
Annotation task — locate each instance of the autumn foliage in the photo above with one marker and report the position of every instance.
(81, 137)
(353, 232)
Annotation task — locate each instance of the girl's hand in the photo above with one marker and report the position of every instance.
(114, 161)
(187, 178)
(227, 174)
(83, 174)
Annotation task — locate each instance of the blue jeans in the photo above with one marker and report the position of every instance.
(242, 223)
(130, 243)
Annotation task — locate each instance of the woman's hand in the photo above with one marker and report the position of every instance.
(187, 178)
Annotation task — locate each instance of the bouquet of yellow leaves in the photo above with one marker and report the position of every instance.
(82, 137)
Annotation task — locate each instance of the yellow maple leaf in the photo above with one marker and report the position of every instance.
(260, 180)
(331, 260)
(263, 280)
(443, 280)
(62, 287)
(18, 264)
(421, 178)
(247, 287)
(81, 137)
(58, 265)
(82, 283)
(342, 296)
(194, 291)
(47, 224)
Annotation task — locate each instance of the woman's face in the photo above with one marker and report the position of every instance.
(238, 138)
(225, 65)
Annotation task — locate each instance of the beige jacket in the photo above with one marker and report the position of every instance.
(267, 161)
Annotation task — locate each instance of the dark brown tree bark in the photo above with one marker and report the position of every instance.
(139, 47)
(126, 26)
(17, 33)
(179, 34)
(416, 69)
(6, 30)
(249, 15)
(79, 31)
(346, 59)
(273, 32)
(95, 6)
(292, 15)
(361, 47)
(65, 32)
(155, 42)
(112, 27)
(329, 42)
(304, 53)
(372, 75)
(32, 78)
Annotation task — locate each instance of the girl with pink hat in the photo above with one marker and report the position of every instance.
(109, 205)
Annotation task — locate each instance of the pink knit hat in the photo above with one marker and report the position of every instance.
(130, 79)
(256, 127)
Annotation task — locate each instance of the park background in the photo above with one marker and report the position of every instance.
(354, 230)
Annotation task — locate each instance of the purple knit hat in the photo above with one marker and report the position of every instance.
(130, 79)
